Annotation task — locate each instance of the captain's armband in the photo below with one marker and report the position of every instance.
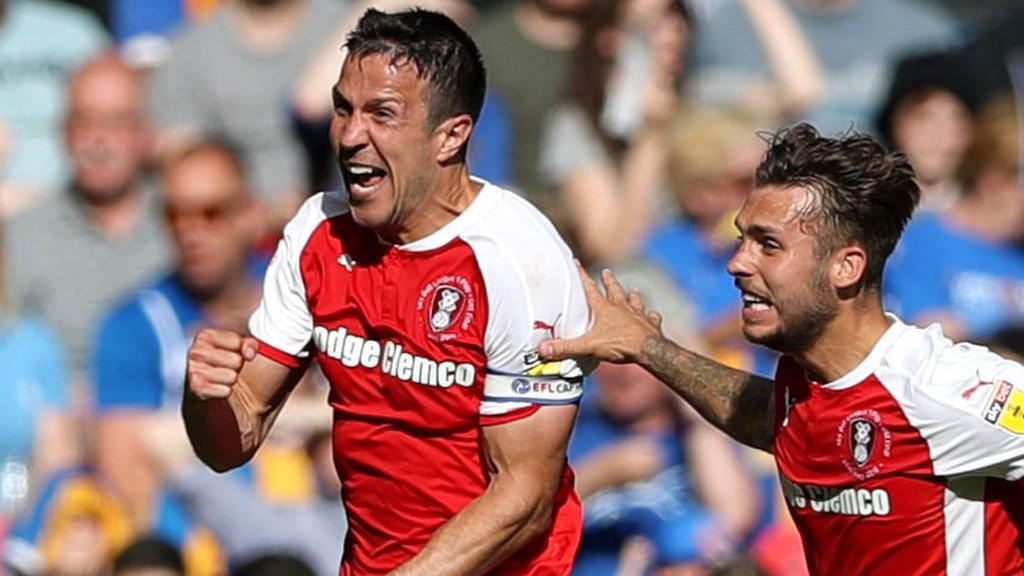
(547, 383)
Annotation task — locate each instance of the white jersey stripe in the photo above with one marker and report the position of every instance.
(965, 527)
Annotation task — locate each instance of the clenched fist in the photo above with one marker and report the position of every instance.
(214, 361)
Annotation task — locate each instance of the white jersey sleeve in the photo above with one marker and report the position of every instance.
(969, 407)
(283, 320)
(534, 293)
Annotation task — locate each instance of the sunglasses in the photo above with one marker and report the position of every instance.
(211, 214)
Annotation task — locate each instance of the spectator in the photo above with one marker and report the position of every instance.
(313, 515)
(856, 43)
(712, 156)
(963, 268)
(40, 44)
(75, 527)
(790, 81)
(646, 469)
(36, 435)
(604, 149)
(275, 565)
(995, 57)
(928, 115)
(527, 46)
(149, 556)
(214, 224)
(230, 78)
(143, 28)
(69, 259)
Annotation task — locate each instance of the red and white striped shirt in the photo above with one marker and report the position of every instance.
(423, 345)
(911, 464)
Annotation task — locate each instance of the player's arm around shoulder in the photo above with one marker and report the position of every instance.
(232, 396)
(622, 330)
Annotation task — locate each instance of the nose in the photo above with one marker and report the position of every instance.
(740, 265)
(350, 134)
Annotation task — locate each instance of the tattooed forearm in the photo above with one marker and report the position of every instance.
(738, 403)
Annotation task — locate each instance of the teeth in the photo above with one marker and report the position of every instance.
(755, 302)
(360, 170)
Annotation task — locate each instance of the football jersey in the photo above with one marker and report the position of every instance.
(424, 344)
(910, 464)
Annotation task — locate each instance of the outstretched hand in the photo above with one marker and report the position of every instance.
(620, 323)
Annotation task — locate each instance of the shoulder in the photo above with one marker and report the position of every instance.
(493, 24)
(200, 33)
(127, 316)
(59, 17)
(30, 331)
(527, 270)
(921, 235)
(676, 236)
(516, 235)
(34, 229)
(927, 369)
(926, 13)
(318, 209)
(37, 218)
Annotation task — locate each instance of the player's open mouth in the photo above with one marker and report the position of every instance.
(363, 179)
(754, 302)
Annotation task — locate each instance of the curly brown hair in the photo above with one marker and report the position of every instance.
(862, 194)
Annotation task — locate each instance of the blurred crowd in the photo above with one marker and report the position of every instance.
(151, 151)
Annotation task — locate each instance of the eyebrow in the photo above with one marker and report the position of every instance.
(382, 100)
(756, 229)
(340, 102)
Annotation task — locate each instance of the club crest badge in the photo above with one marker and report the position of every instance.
(446, 306)
(864, 443)
(862, 440)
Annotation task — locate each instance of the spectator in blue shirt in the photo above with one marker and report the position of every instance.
(646, 468)
(964, 268)
(141, 346)
(36, 433)
(712, 157)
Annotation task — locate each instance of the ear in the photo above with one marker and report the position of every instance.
(847, 266)
(452, 136)
(257, 218)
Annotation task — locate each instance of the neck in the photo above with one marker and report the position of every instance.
(847, 340)
(229, 305)
(985, 219)
(546, 28)
(451, 196)
(653, 422)
(117, 218)
(268, 29)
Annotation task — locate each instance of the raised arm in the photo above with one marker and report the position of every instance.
(232, 396)
(739, 403)
(799, 81)
(527, 460)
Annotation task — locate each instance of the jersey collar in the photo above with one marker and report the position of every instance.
(480, 207)
(874, 358)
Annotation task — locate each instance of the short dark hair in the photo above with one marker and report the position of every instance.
(149, 552)
(863, 194)
(274, 564)
(443, 54)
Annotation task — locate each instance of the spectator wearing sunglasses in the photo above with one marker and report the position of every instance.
(213, 223)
